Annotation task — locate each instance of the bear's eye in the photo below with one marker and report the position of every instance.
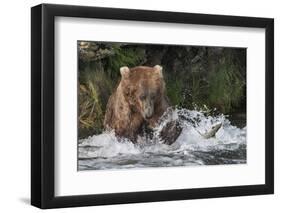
(142, 97)
(152, 95)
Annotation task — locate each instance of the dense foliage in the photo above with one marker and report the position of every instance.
(195, 76)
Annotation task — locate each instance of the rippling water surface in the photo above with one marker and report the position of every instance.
(105, 151)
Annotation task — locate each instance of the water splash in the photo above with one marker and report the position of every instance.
(105, 151)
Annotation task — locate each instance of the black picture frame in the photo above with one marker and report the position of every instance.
(43, 105)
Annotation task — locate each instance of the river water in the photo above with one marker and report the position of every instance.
(229, 146)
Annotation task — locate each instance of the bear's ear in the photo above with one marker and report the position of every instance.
(158, 69)
(125, 71)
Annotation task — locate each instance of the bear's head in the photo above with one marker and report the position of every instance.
(143, 88)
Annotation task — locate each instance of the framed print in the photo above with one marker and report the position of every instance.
(139, 106)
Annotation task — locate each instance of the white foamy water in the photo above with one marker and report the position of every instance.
(105, 151)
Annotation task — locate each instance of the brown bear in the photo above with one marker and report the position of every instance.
(139, 99)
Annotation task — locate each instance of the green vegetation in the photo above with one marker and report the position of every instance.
(123, 56)
(226, 87)
(199, 77)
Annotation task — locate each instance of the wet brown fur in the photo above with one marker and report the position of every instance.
(124, 108)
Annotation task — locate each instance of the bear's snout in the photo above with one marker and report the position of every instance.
(148, 108)
(148, 112)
